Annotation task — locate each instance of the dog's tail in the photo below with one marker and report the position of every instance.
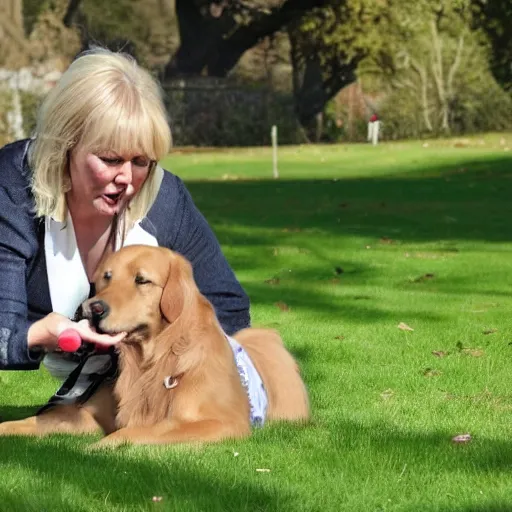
(287, 395)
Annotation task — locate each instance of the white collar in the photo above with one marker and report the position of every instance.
(67, 279)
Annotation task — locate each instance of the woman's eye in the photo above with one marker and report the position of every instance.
(141, 280)
(141, 161)
(111, 160)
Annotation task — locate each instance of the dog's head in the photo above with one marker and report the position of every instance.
(139, 290)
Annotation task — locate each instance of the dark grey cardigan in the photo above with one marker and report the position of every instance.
(173, 220)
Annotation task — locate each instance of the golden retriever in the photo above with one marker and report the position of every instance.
(178, 378)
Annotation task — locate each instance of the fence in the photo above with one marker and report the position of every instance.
(214, 112)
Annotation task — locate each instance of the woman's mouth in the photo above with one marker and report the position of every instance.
(112, 199)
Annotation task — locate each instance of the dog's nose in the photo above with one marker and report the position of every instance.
(99, 310)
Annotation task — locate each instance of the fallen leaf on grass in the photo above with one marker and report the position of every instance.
(474, 352)
(274, 280)
(282, 306)
(431, 372)
(462, 438)
(156, 499)
(404, 327)
(339, 337)
(263, 470)
(440, 353)
(386, 240)
(490, 331)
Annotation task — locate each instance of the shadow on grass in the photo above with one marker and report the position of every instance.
(444, 205)
(11, 412)
(467, 201)
(123, 482)
(67, 477)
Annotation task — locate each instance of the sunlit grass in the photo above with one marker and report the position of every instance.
(348, 243)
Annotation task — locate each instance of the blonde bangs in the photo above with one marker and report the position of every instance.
(126, 128)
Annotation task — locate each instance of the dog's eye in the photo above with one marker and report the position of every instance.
(141, 280)
(107, 275)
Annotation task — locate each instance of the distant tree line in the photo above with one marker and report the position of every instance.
(428, 67)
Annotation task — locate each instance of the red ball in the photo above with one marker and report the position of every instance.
(69, 340)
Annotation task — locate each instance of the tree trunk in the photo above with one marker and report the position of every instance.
(422, 74)
(71, 12)
(315, 83)
(439, 79)
(214, 44)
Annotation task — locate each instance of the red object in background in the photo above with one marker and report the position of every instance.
(374, 118)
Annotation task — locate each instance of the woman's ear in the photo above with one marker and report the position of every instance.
(178, 289)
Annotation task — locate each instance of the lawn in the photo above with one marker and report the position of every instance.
(350, 243)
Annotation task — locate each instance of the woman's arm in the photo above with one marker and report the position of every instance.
(195, 240)
(18, 244)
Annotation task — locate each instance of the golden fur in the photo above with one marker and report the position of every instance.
(173, 336)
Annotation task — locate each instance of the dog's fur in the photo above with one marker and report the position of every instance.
(173, 334)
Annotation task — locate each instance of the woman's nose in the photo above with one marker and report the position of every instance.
(124, 176)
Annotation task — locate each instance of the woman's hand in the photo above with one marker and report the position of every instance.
(44, 333)
(87, 333)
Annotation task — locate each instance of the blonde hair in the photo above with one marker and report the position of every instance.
(105, 102)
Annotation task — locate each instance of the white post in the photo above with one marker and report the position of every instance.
(273, 135)
(375, 134)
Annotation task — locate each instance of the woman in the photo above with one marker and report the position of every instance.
(85, 185)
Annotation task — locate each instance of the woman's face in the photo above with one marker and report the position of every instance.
(105, 182)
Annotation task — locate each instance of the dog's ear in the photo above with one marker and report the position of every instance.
(179, 288)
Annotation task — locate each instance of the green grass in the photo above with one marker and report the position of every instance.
(348, 243)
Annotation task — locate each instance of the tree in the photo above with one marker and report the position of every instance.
(214, 35)
(435, 72)
(328, 45)
(494, 17)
